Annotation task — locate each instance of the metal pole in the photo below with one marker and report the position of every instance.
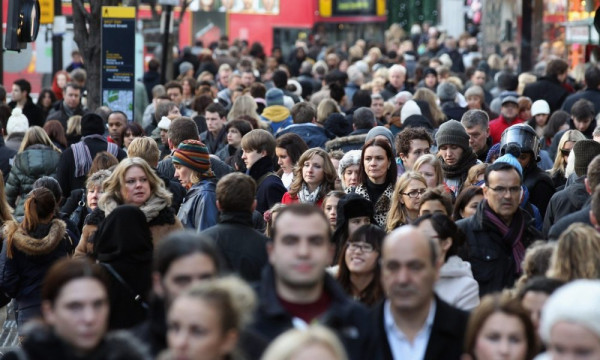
(526, 35)
(57, 50)
(165, 45)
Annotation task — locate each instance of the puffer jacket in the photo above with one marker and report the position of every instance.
(456, 284)
(31, 164)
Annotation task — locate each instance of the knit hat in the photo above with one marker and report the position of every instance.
(185, 67)
(92, 124)
(274, 97)
(408, 109)
(540, 107)
(446, 91)
(585, 151)
(193, 154)
(337, 124)
(380, 130)
(164, 123)
(17, 122)
(510, 157)
(493, 151)
(452, 133)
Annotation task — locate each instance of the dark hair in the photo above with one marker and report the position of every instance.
(556, 120)
(364, 118)
(66, 270)
(391, 175)
(181, 244)
(103, 160)
(374, 235)
(540, 284)
(508, 81)
(51, 184)
(135, 129)
(201, 102)
(236, 192)
(24, 85)
(583, 109)
(56, 132)
(243, 126)
(72, 86)
(182, 128)
(174, 84)
(405, 136)
(162, 109)
(293, 144)
(153, 65)
(302, 210)
(445, 228)
(258, 90)
(463, 199)
(303, 112)
(336, 92)
(500, 166)
(43, 94)
(556, 67)
(592, 77)
(217, 108)
(280, 79)
(361, 98)
(438, 194)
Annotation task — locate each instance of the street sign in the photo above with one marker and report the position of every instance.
(46, 11)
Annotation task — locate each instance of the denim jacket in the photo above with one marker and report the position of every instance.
(199, 208)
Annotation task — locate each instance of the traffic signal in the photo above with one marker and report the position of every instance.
(22, 24)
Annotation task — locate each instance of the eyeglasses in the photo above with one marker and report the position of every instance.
(565, 152)
(415, 193)
(502, 190)
(363, 247)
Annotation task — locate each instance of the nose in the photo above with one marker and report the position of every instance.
(303, 249)
(180, 340)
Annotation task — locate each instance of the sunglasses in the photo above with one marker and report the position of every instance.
(565, 152)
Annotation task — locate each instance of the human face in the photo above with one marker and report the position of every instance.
(566, 150)
(430, 81)
(397, 79)
(312, 172)
(351, 175)
(234, 137)
(534, 301)
(136, 188)
(331, 210)
(194, 330)
(502, 336)
(570, 341)
(92, 196)
(478, 78)
(524, 159)
(128, 138)
(581, 124)
(251, 156)
(356, 222)
(418, 148)
(509, 110)
(174, 112)
(432, 207)
(451, 153)
(407, 272)
(164, 137)
(541, 119)
(61, 80)
(72, 97)
(175, 95)
(377, 107)
(474, 102)
(184, 175)
(116, 123)
(412, 204)
(17, 95)
(284, 160)
(300, 252)
(360, 261)
(247, 79)
(79, 315)
(182, 274)
(376, 163)
(504, 203)
(477, 137)
(214, 122)
(428, 172)
(471, 207)
(47, 100)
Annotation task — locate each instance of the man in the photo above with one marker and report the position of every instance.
(411, 144)
(70, 105)
(280, 80)
(476, 124)
(509, 113)
(295, 290)
(499, 232)
(479, 78)
(395, 84)
(447, 93)
(76, 61)
(306, 126)
(117, 120)
(377, 106)
(591, 92)
(225, 96)
(583, 119)
(455, 153)
(240, 245)
(248, 78)
(413, 322)
(223, 76)
(21, 98)
(215, 137)
(175, 92)
(550, 87)
(363, 120)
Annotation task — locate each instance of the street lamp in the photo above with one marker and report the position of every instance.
(23, 23)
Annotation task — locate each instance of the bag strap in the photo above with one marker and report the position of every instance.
(136, 297)
(263, 177)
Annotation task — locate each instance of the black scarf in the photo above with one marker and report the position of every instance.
(461, 168)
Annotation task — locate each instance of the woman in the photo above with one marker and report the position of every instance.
(559, 121)
(60, 80)
(56, 133)
(435, 201)
(577, 254)
(524, 105)
(314, 177)
(73, 129)
(330, 207)
(236, 129)
(406, 200)
(220, 310)
(288, 148)
(133, 182)
(29, 250)
(192, 168)
(37, 157)
(476, 175)
(353, 211)
(348, 169)
(430, 167)
(540, 112)
(456, 284)
(476, 101)
(425, 94)
(377, 177)
(189, 89)
(243, 105)
(314, 342)
(84, 201)
(326, 108)
(359, 268)
(499, 328)
(45, 101)
(565, 145)
(467, 202)
(130, 132)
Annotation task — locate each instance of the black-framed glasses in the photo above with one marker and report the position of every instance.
(565, 152)
(503, 189)
(362, 246)
(415, 193)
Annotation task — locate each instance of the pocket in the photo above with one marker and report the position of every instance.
(484, 263)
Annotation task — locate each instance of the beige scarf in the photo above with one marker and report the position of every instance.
(150, 208)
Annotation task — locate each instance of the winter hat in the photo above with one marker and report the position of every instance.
(185, 67)
(409, 108)
(540, 107)
(446, 91)
(296, 85)
(274, 97)
(351, 206)
(17, 122)
(164, 123)
(452, 133)
(337, 124)
(585, 151)
(510, 157)
(380, 130)
(92, 124)
(493, 151)
(429, 71)
(510, 99)
(194, 155)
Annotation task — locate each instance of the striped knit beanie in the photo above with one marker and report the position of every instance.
(193, 154)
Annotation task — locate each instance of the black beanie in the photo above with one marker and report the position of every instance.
(585, 151)
(92, 124)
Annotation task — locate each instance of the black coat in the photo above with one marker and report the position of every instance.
(446, 339)
(58, 113)
(347, 318)
(243, 248)
(549, 89)
(34, 114)
(581, 216)
(540, 186)
(592, 95)
(269, 189)
(6, 156)
(491, 260)
(565, 202)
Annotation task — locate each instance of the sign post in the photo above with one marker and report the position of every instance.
(118, 58)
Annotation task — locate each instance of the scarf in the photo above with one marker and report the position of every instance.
(461, 168)
(83, 157)
(307, 197)
(151, 207)
(512, 236)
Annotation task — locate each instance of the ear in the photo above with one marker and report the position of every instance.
(229, 342)
(219, 206)
(263, 153)
(587, 186)
(157, 286)
(485, 190)
(402, 156)
(170, 143)
(446, 244)
(48, 312)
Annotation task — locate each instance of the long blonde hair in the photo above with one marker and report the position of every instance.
(559, 162)
(243, 105)
(429, 96)
(326, 108)
(36, 135)
(577, 254)
(398, 215)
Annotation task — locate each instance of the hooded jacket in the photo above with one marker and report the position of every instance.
(456, 284)
(278, 117)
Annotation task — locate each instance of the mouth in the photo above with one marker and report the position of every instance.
(303, 268)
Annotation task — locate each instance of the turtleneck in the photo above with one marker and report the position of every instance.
(375, 190)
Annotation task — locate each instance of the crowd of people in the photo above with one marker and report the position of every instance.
(404, 200)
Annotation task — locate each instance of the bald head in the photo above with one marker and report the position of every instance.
(411, 235)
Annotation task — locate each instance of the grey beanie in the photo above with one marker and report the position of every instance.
(185, 67)
(274, 97)
(452, 133)
(446, 91)
(380, 130)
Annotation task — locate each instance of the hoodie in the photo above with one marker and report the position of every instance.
(278, 116)
(456, 284)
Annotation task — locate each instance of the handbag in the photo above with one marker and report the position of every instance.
(75, 216)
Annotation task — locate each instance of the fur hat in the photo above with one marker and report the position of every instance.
(337, 124)
(17, 122)
(446, 91)
(164, 123)
(193, 154)
(585, 151)
(452, 133)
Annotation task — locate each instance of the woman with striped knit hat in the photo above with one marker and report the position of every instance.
(192, 169)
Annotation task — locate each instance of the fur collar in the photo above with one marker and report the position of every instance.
(32, 246)
(345, 140)
(150, 208)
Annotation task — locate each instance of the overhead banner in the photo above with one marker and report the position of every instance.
(118, 58)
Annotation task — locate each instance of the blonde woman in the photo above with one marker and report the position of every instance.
(577, 254)
(243, 105)
(406, 200)
(430, 167)
(326, 108)
(314, 177)
(314, 342)
(37, 157)
(565, 145)
(437, 115)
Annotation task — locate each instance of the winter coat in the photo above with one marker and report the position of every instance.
(549, 89)
(72, 203)
(592, 95)
(540, 186)
(32, 255)
(13, 140)
(34, 114)
(199, 208)
(214, 144)
(572, 198)
(277, 116)
(7, 156)
(313, 135)
(581, 216)
(346, 143)
(456, 284)
(28, 166)
(383, 204)
(498, 125)
(289, 199)
(58, 113)
(269, 188)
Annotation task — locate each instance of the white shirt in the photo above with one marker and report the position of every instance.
(400, 346)
(286, 179)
